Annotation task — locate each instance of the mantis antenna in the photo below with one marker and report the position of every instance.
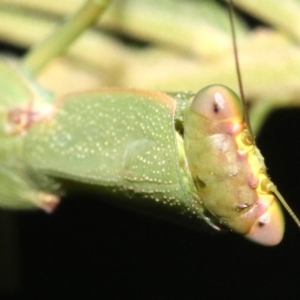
(272, 187)
(237, 67)
(269, 186)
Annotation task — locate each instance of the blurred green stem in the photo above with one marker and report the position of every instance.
(36, 59)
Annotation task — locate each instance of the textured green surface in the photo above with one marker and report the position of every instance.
(122, 139)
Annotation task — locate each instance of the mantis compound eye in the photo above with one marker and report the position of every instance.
(218, 103)
(268, 229)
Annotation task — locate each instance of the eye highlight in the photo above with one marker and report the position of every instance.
(217, 103)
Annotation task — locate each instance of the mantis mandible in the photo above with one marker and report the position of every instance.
(211, 168)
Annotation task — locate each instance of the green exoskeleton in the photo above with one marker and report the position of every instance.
(190, 153)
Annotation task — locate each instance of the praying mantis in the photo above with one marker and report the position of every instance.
(61, 142)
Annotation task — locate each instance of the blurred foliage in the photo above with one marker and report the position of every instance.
(169, 45)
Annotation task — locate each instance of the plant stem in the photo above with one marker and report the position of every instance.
(39, 56)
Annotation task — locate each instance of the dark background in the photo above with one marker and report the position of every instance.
(90, 250)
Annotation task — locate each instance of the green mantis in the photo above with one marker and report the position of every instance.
(136, 151)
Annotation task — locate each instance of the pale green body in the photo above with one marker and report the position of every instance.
(122, 140)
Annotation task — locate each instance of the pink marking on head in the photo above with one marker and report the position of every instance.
(268, 228)
(253, 180)
(242, 154)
